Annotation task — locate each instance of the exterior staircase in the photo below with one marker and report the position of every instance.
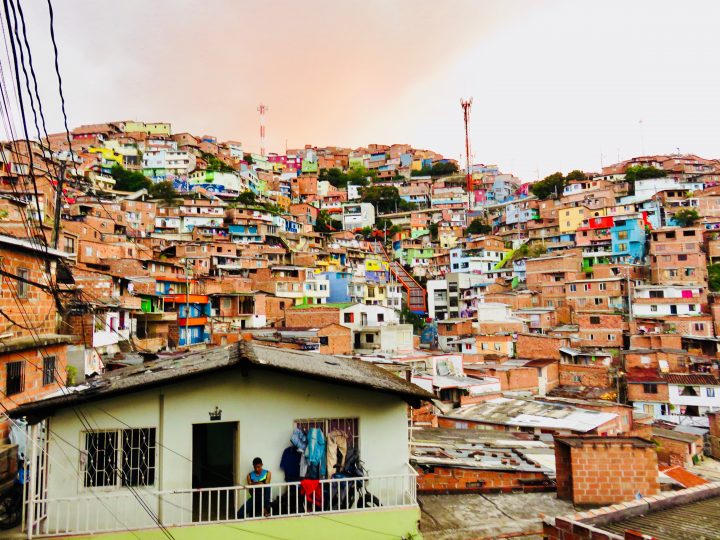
(417, 296)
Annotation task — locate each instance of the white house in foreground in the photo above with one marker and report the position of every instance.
(180, 435)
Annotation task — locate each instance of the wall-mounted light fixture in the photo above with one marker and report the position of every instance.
(216, 414)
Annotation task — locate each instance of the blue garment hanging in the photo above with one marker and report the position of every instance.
(315, 451)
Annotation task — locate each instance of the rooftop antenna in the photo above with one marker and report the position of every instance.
(262, 109)
(466, 105)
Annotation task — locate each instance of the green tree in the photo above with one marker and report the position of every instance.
(129, 180)
(355, 177)
(714, 277)
(386, 199)
(325, 223)
(551, 185)
(478, 226)
(408, 317)
(537, 250)
(437, 169)
(686, 217)
(576, 176)
(248, 198)
(433, 228)
(382, 224)
(443, 168)
(164, 191)
(215, 164)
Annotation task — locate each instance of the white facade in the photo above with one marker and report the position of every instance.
(174, 161)
(705, 398)
(661, 300)
(357, 215)
(261, 408)
(359, 316)
(437, 298)
(317, 289)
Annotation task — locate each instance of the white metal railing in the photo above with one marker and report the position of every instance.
(122, 510)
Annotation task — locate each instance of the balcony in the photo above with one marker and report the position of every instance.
(105, 512)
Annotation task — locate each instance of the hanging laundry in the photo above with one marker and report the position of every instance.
(299, 439)
(315, 453)
(290, 464)
(337, 446)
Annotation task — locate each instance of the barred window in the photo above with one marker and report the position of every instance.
(138, 457)
(22, 285)
(101, 464)
(14, 378)
(349, 426)
(48, 370)
(134, 451)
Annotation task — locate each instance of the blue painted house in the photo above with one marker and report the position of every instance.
(339, 286)
(628, 239)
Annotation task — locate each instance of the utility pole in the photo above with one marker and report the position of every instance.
(58, 206)
(187, 301)
(466, 105)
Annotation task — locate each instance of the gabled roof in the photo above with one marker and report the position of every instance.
(243, 355)
(700, 379)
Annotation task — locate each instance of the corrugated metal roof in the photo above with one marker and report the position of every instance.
(532, 413)
(342, 371)
(695, 521)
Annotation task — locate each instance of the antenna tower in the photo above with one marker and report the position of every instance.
(262, 109)
(466, 105)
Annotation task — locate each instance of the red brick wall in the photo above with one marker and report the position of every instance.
(553, 375)
(714, 418)
(514, 379)
(38, 307)
(608, 472)
(339, 339)
(636, 392)
(536, 347)
(672, 452)
(311, 318)
(563, 476)
(451, 479)
(33, 373)
(677, 362)
(594, 376)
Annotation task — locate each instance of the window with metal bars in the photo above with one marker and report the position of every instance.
(133, 449)
(14, 378)
(349, 426)
(49, 370)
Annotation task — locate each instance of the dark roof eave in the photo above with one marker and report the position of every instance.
(246, 360)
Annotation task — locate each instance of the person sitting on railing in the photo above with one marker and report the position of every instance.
(259, 502)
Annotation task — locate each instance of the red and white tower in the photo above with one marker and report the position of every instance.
(466, 105)
(262, 109)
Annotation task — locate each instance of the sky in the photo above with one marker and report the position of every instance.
(556, 85)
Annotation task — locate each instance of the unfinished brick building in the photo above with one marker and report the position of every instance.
(605, 470)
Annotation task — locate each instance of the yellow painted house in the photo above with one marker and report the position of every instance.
(569, 219)
(108, 154)
(159, 128)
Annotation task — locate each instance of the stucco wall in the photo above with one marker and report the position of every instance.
(264, 404)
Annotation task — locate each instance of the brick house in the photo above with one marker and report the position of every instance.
(600, 329)
(33, 349)
(605, 470)
(676, 256)
(677, 447)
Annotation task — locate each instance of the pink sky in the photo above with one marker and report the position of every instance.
(556, 84)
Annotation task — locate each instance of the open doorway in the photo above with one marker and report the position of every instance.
(213, 466)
